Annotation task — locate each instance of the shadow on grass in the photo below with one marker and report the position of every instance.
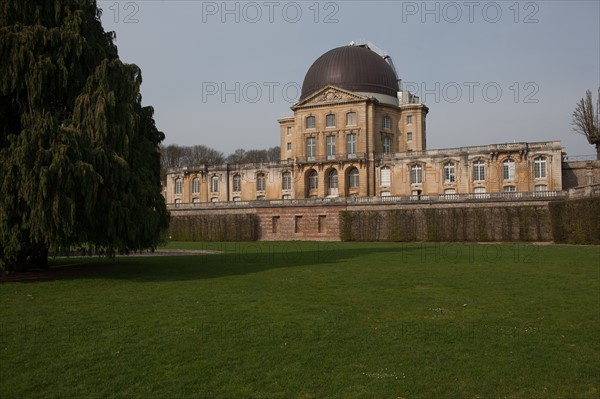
(239, 259)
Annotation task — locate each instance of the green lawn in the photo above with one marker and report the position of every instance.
(312, 320)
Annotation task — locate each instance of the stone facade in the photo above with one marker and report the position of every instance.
(580, 173)
(514, 167)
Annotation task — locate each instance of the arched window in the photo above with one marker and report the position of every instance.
(195, 186)
(539, 168)
(237, 183)
(478, 171)
(178, 186)
(508, 169)
(260, 182)
(449, 173)
(310, 122)
(313, 180)
(385, 176)
(353, 178)
(332, 182)
(214, 184)
(286, 181)
(416, 174)
(541, 187)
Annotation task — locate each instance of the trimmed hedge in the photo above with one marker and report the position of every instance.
(514, 223)
(576, 221)
(237, 227)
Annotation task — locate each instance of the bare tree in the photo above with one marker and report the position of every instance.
(171, 156)
(237, 156)
(203, 155)
(585, 120)
(274, 154)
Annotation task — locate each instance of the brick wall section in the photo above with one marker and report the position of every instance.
(300, 223)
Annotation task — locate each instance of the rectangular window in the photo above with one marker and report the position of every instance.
(409, 120)
(310, 122)
(449, 173)
(237, 183)
(351, 145)
(539, 168)
(510, 189)
(541, 187)
(260, 182)
(275, 224)
(351, 119)
(330, 120)
(416, 174)
(297, 224)
(508, 170)
(286, 183)
(478, 171)
(386, 176)
(311, 148)
(214, 184)
(387, 122)
(321, 223)
(331, 147)
(409, 136)
(289, 146)
(289, 131)
(387, 144)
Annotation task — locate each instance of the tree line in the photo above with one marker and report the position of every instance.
(177, 156)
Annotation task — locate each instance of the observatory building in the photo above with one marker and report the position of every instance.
(356, 136)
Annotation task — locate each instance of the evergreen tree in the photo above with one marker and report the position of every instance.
(79, 154)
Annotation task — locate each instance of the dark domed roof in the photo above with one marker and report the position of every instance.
(352, 68)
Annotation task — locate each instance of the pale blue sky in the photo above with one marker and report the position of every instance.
(541, 55)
